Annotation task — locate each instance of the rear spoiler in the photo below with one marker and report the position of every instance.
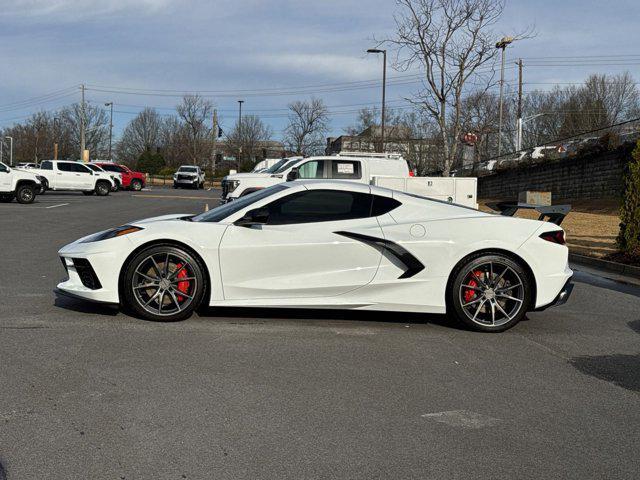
(550, 213)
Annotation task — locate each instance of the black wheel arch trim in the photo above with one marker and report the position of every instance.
(412, 264)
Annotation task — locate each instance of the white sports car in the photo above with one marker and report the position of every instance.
(321, 244)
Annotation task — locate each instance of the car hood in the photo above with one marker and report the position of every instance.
(175, 216)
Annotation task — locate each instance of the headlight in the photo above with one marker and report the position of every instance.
(114, 232)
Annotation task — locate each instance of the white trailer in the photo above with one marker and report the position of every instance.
(460, 190)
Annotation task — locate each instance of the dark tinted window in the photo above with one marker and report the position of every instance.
(65, 167)
(3, 168)
(319, 206)
(382, 205)
(78, 168)
(345, 169)
(112, 168)
(95, 168)
(46, 166)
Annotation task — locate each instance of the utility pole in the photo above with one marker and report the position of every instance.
(384, 88)
(240, 102)
(55, 135)
(214, 145)
(82, 125)
(502, 45)
(110, 104)
(519, 126)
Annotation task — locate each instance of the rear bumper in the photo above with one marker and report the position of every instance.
(561, 298)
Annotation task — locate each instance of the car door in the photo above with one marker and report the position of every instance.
(65, 176)
(5, 178)
(302, 251)
(84, 177)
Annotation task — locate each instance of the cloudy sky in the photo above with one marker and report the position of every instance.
(249, 49)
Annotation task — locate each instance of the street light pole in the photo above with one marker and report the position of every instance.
(240, 102)
(384, 88)
(10, 150)
(502, 44)
(110, 104)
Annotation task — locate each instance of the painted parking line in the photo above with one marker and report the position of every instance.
(204, 199)
(56, 206)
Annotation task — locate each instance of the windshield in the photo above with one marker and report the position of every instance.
(223, 211)
(286, 165)
(275, 166)
(188, 169)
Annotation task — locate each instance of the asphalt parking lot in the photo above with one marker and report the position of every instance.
(88, 392)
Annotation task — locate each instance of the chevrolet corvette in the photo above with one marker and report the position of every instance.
(327, 244)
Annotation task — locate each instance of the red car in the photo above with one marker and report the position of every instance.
(130, 179)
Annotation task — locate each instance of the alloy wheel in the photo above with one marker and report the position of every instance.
(164, 283)
(492, 294)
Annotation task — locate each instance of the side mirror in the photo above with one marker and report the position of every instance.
(257, 216)
(293, 174)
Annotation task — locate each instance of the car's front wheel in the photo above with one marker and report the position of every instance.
(136, 185)
(490, 292)
(25, 194)
(103, 189)
(163, 283)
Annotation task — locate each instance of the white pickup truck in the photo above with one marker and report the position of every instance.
(74, 176)
(190, 176)
(18, 184)
(356, 167)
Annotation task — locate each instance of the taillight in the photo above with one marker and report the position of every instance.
(556, 236)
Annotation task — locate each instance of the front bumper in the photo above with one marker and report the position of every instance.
(561, 298)
(184, 181)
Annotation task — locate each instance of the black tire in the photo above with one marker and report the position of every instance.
(142, 269)
(6, 198)
(116, 186)
(136, 185)
(25, 194)
(89, 193)
(102, 188)
(44, 187)
(484, 294)
(175, 186)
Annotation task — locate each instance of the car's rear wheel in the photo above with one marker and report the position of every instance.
(103, 189)
(164, 283)
(136, 185)
(26, 194)
(490, 292)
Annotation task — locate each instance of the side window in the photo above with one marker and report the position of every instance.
(3, 168)
(319, 206)
(312, 169)
(46, 166)
(347, 169)
(382, 205)
(65, 167)
(82, 169)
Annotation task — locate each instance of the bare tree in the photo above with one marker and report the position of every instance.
(249, 138)
(96, 129)
(143, 133)
(452, 43)
(195, 114)
(308, 125)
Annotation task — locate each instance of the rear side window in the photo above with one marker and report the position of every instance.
(46, 166)
(112, 168)
(382, 205)
(319, 206)
(346, 169)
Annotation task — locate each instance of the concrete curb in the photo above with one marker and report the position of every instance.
(605, 265)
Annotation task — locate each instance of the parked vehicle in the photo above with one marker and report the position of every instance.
(268, 163)
(74, 176)
(25, 165)
(132, 180)
(18, 184)
(190, 176)
(115, 177)
(327, 244)
(459, 190)
(356, 167)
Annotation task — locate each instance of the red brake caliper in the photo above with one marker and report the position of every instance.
(470, 293)
(182, 286)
